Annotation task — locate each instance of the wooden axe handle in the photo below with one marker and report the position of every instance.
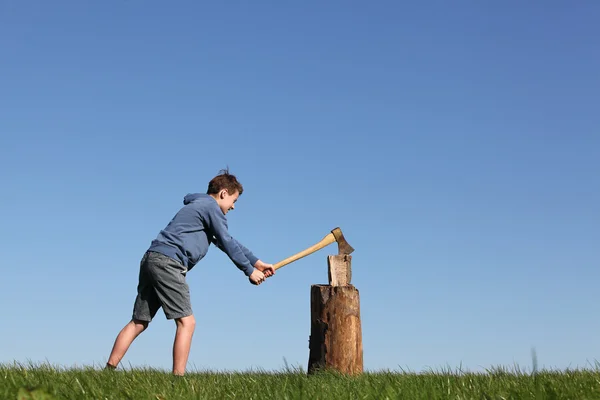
(327, 240)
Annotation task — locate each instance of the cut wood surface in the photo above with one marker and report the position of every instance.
(340, 269)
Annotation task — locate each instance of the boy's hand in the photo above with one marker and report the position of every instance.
(257, 277)
(266, 269)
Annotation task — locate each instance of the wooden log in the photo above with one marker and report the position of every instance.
(335, 335)
(339, 269)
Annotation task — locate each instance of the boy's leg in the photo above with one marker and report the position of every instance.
(173, 293)
(182, 343)
(124, 340)
(146, 305)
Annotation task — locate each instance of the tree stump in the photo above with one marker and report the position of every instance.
(335, 335)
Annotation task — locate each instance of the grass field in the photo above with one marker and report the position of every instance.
(49, 382)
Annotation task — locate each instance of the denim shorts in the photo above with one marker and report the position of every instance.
(161, 284)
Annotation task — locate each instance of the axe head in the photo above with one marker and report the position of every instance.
(343, 246)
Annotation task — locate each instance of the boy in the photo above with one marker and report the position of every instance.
(174, 252)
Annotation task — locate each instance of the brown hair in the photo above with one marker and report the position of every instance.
(224, 180)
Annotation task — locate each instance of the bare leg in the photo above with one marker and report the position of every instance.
(124, 340)
(183, 343)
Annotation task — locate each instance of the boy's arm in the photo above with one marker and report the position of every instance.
(255, 261)
(227, 244)
(249, 255)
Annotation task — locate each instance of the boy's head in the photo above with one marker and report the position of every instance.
(225, 189)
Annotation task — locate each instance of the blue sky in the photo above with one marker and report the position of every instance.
(457, 146)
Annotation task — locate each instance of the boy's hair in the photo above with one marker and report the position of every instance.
(224, 180)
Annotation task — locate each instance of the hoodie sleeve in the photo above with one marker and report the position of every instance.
(230, 246)
(249, 255)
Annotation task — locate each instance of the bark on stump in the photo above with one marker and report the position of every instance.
(335, 335)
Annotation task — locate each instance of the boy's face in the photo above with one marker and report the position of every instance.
(227, 201)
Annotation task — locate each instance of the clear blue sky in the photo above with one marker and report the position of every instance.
(457, 145)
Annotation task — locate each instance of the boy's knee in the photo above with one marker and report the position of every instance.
(188, 322)
(140, 324)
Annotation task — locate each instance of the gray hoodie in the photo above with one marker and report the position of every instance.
(197, 224)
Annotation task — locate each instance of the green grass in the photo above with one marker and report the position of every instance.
(50, 382)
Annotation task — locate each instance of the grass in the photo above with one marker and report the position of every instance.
(44, 381)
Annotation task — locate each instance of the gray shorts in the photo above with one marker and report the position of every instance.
(161, 284)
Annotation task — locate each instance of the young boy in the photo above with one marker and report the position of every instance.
(175, 251)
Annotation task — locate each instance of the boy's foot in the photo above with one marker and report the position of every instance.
(110, 367)
(178, 380)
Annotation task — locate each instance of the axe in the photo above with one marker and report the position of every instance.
(334, 236)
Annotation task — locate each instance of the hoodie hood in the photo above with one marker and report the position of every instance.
(192, 196)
